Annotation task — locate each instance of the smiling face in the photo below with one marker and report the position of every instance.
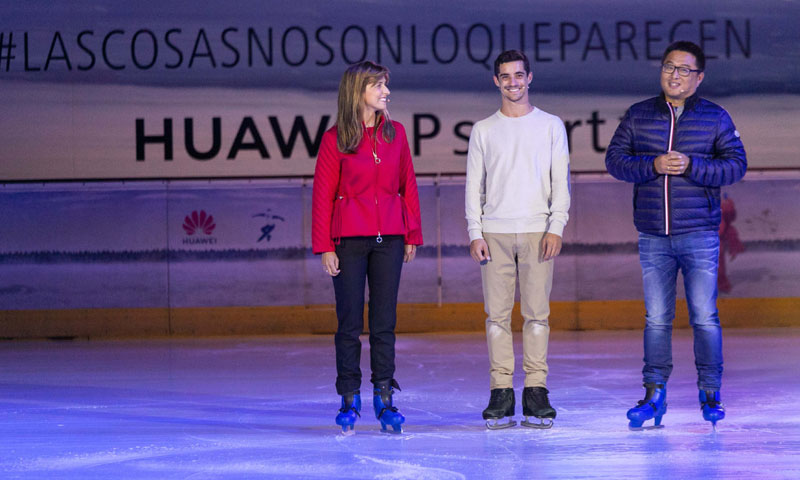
(677, 88)
(513, 81)
(376, 96)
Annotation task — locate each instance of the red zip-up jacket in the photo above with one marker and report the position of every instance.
(356, 196)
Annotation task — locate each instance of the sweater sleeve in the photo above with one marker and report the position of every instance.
(729, 162)
(326, 183)
(408, 190)
(621, 161)
(475, 188)
(559, 181)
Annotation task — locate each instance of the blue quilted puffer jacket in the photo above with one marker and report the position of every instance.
(676, 204)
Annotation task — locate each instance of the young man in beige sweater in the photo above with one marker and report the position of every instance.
(517, 198)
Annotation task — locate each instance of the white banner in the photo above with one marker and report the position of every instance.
(95, 89)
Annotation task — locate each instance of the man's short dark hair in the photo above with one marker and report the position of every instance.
(687, 47)
(511, 56)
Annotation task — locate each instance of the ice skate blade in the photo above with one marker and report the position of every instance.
(544, 423)
(394, 431)
(650, 427)
(348, 433)
(492, 424)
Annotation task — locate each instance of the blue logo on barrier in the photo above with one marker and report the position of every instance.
(266, 230)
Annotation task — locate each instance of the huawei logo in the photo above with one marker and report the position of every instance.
(199, 222)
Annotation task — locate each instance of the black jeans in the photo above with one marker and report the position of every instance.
(363, 259)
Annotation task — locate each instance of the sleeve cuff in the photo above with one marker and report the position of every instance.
(556, 228)
(475, 235)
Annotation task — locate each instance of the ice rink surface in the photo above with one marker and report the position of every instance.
(263, 407)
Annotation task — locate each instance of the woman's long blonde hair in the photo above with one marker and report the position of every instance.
(351, 105)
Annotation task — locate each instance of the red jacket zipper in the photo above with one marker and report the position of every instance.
(378, 239)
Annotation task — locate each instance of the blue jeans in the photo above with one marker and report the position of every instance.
(363, 262)
(696, 255)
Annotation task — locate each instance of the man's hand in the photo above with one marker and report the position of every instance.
(551, 246)
(410, 253)
(671, 163)
(479, 250)
(330, 263)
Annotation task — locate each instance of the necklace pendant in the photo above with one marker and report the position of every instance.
(375, 156)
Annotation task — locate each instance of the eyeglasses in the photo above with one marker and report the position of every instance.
(668, 68)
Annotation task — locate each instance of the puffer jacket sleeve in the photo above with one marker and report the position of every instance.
(326, 183)
(621, 160)
(408, 191)
(729, 161)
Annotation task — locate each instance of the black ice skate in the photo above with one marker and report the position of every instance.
(536, 404)
(501, 405)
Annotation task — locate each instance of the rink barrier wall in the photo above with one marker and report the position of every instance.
(321, 319)
(100, 260)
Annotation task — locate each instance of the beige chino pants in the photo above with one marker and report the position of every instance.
(515, 254)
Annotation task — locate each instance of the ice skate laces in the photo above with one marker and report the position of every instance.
(540, 398)
(386, 392)
(345, 410)
(711, 401)
(348, 405)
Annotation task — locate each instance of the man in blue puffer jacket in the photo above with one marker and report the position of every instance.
(678, 149)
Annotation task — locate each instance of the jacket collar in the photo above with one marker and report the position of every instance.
(689, 104)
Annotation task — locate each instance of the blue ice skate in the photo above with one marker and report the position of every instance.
(385, 411)
(654, 405)
(713, 410)
(351, 409)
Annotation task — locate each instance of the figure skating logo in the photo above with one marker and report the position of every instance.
(266, 230)
(197, 222)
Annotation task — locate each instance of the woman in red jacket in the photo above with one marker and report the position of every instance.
(365, 223)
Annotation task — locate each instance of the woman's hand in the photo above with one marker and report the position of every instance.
(330, 263)
(411, 252)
